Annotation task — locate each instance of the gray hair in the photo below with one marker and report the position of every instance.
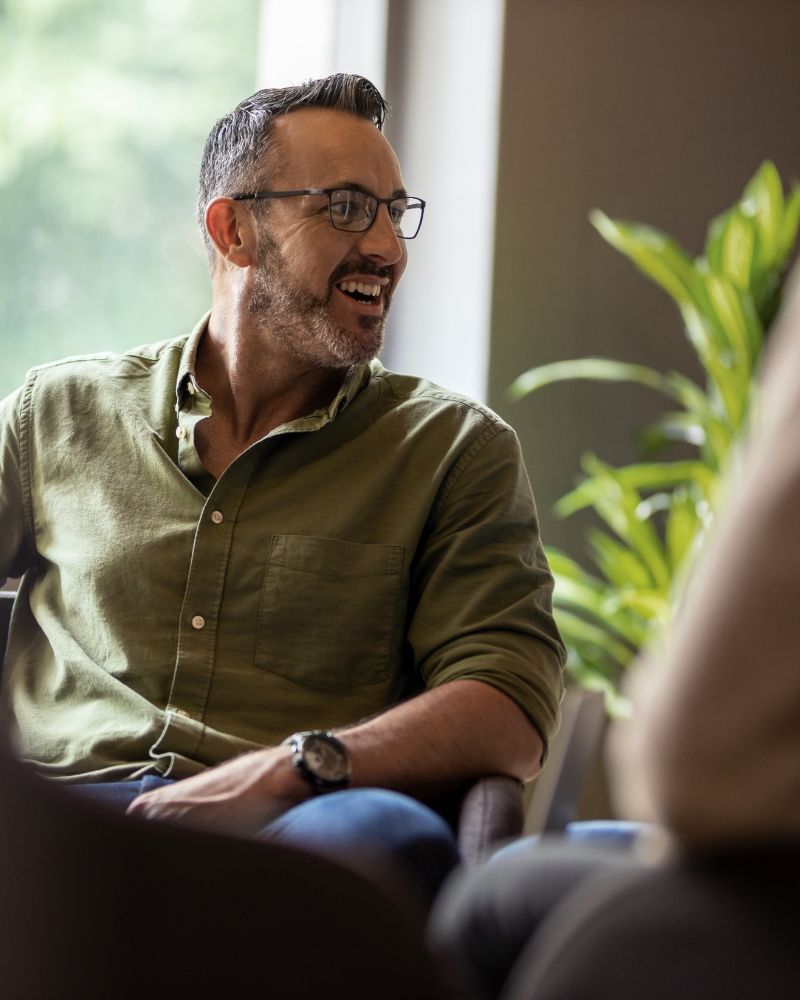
(236, 146)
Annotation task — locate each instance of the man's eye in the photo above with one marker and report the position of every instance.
(340, 209)
(397, 211)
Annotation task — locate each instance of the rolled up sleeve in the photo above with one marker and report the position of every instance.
(481, 587)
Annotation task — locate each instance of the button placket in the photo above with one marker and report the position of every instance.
(195, 661)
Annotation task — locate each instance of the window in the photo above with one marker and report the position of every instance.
(105, 109)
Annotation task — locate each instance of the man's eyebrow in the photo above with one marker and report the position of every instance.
(355, 186)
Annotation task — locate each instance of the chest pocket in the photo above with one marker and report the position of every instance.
(329, 611)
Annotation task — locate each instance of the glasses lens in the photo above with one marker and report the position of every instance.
(352, 211)
(406, 215)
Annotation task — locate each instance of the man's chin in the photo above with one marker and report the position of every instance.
(359, 353)
(374, 341)
(363, 345)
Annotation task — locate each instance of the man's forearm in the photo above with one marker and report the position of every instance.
(449, 734)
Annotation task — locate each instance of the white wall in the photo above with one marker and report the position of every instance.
(306, 39)
(446, 130)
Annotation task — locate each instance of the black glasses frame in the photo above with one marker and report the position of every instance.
(410, 203)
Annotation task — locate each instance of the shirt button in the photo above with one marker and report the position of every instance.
(216, 517)
(190, 387)
(180, 432)
(198, 622)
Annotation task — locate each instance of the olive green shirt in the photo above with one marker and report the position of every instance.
(355, 556)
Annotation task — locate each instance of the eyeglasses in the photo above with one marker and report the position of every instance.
(354, 211)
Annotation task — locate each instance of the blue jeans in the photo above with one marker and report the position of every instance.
(346, 825)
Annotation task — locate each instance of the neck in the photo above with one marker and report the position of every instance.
(256, 384)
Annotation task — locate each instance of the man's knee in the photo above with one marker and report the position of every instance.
(374, 821)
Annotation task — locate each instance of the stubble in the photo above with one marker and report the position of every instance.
(302, 321)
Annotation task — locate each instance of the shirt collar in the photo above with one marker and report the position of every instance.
(355, 380)
(186, 383)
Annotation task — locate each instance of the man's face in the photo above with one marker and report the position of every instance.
(303, 263)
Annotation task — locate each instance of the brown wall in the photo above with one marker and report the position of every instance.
(654, 110)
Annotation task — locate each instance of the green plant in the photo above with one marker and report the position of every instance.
(656, 513)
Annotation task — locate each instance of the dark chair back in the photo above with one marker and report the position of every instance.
(174, 912)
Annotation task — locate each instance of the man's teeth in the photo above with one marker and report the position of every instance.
(361, 287)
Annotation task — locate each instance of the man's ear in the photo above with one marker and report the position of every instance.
(230, 227)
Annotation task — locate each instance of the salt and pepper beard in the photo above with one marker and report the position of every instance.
(303, 321)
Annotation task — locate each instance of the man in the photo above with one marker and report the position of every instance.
(256, 531)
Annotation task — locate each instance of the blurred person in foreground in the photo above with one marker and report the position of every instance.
(711, 755)
(262, 576)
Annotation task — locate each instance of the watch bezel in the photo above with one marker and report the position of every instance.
(302, 743)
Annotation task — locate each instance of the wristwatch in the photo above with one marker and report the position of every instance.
(321, 759)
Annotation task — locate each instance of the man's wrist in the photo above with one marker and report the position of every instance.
(278, 777)
(320, 759)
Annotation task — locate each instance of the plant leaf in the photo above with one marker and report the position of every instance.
(595, 369)
(735, 323)
(671, 427)
(789, 225)
(730, 246)
(665, 262)
(654, 253)
(740, 339)
(577, 631)
(663, 475)
(651, 606)
(683, 524)
(578, 590)
(762, 200)
(596, 489)
(617, 562)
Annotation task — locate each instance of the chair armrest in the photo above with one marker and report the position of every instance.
(492, 810)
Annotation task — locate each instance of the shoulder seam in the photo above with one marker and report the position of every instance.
(449, 397)
(110, 356)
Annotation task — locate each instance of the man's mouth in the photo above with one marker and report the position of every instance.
(361, 291)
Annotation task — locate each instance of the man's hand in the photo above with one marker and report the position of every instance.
(240, 796)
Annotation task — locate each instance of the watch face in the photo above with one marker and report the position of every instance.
(324, 760)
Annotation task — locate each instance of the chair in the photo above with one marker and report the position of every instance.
(718, 924)
(95, 906)
(487, 811)
(558, 790)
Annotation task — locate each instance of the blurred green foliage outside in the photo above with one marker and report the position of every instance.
(104, 109)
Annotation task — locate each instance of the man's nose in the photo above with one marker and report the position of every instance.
(380, 241)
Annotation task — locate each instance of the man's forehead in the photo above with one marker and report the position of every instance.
(317, 138)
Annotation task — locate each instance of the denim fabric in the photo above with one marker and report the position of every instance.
(119, 794)
(376, 822)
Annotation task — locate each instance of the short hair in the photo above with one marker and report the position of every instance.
(236, 145)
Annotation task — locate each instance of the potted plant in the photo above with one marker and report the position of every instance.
(655, 513)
